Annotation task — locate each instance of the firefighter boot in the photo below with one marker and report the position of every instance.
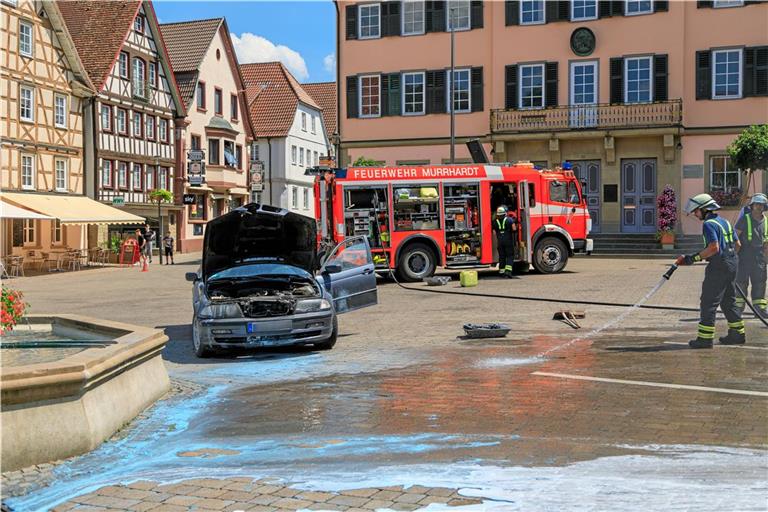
(700, 343)
(733, 337)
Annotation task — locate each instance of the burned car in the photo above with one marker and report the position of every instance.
(262, 282)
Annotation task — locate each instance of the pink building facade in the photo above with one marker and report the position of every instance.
(635, 94)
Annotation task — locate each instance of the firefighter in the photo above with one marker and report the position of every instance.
(505, 228)
(752, 229)
(718, 288)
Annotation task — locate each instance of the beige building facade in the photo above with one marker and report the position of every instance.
(43, 89)
(217, 123)
(634, 94)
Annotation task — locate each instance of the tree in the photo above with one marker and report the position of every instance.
(365, 162)
(749, 151)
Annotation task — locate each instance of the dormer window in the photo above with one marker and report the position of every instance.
(138, 24)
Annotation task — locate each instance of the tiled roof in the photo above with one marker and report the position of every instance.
(98, 30)
(273, 95)
(188, 41)
(187, 83)
(324, 94)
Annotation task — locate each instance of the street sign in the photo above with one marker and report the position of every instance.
(188, 199)
(118, 201)
(257, 166)
(196, 173)
(257, 180)
(196, 155)
(195, 180)
(257, 187)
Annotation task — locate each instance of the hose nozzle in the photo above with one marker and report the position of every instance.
(671, 271)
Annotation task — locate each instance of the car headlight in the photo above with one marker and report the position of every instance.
(228, 310)
(312, 305)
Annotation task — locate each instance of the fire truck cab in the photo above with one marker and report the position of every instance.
(420, 218)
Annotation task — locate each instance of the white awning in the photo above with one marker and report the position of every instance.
(71, 209)
(9, 211)
(239, 191)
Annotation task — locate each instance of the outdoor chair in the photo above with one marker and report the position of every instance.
(3, 270)
(16, 266)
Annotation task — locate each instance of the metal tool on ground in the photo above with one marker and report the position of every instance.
(437, 280)
(478, 331)
(569, 317)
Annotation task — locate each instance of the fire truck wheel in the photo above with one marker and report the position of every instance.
(550, 255)
(416, 262)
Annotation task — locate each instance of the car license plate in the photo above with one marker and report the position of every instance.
(252, 327)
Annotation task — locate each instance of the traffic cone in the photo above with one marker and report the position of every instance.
(145, 268)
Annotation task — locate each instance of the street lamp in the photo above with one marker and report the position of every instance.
(452, 20)
(159, 213)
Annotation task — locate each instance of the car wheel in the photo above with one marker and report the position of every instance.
(416, 262)
(200, 350)
(331, 341)
(550, 255)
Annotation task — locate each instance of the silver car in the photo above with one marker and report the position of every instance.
(262, 284)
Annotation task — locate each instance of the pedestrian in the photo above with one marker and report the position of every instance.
(150, 237)
(505, 228)
(142, 243)
(752, 230)
(168, 246)
(718, 288)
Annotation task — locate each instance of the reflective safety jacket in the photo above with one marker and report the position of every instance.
(504, 229)
(718, 229)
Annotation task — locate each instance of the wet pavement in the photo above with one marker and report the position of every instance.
(628, 420)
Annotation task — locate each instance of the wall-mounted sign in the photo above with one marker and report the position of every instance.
(583, 41)
(188, 199)
(196, 173)
(257, 181)
(257, 166)
(195, 155)
(195, 180)
(118, 201)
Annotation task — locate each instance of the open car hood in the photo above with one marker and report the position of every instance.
(257, 233)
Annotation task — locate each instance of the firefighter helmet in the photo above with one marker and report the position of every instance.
(701, 201)
(501, 210)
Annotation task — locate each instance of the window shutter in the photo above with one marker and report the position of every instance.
(351, 22)
(704, 75)
(436, 101)
(661, 6)
(617, 80)
(617, 8)
(550, 87)
(477, 89)
(477, 14)
(352, 97)
(510, 87)
(390, 19)
(393, 94)
(704, 4)
(550, 11)
(660, 78)
(434, 16)
(753, 2)
(384, 80)
(604, 9)
(756, 71)
(512, 12)
(564, 10)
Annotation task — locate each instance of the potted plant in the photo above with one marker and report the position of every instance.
(666, 205)
(13, 308)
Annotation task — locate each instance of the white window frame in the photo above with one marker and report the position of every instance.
(722, 4)
(294, 153)
(140, 132)
(306, 198)
(301, 157)
(149, 177)
(294, 197)
(147, 121)
(139, 77)
(122, 175)
(314, 128)
(360, 96)
(417, 3)
(360, 8)
(121, 128)
(56, 99)
(28, 228)
(30, 185)
(459, 4)
(162, 178)
(317, 158)
(572, 84)
(106, 170)
(152, 73)
(136, 170)
(727, 171)
(543, 13)
(106, 109)
(56, 231)
(303, 121)
(123, 65)
(541, 66)
(31, 43)
(450, 104)
(583, 18)
(740, 94)
(60, 181)
(423, 93)
(162, 128)
(139, 24)
(627, 3)
(31, 106)
(627, 60)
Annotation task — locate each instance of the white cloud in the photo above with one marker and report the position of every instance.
(329, 63)
(252, 48)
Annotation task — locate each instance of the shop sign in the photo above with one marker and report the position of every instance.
(188, 199)
(195, 155)
(118, 201)
(257, 166)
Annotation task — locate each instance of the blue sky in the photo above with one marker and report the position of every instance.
(300, 34)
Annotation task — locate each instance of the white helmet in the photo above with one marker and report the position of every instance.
(759, 198)
(701, 201)
(501, 210)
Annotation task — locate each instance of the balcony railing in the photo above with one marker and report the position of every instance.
(588, 117)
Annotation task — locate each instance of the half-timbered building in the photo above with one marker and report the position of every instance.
(138, 113)
(44, 88)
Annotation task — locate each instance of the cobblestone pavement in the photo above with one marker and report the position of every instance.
(629, 419)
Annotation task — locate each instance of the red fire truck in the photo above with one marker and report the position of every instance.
(431, 216)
